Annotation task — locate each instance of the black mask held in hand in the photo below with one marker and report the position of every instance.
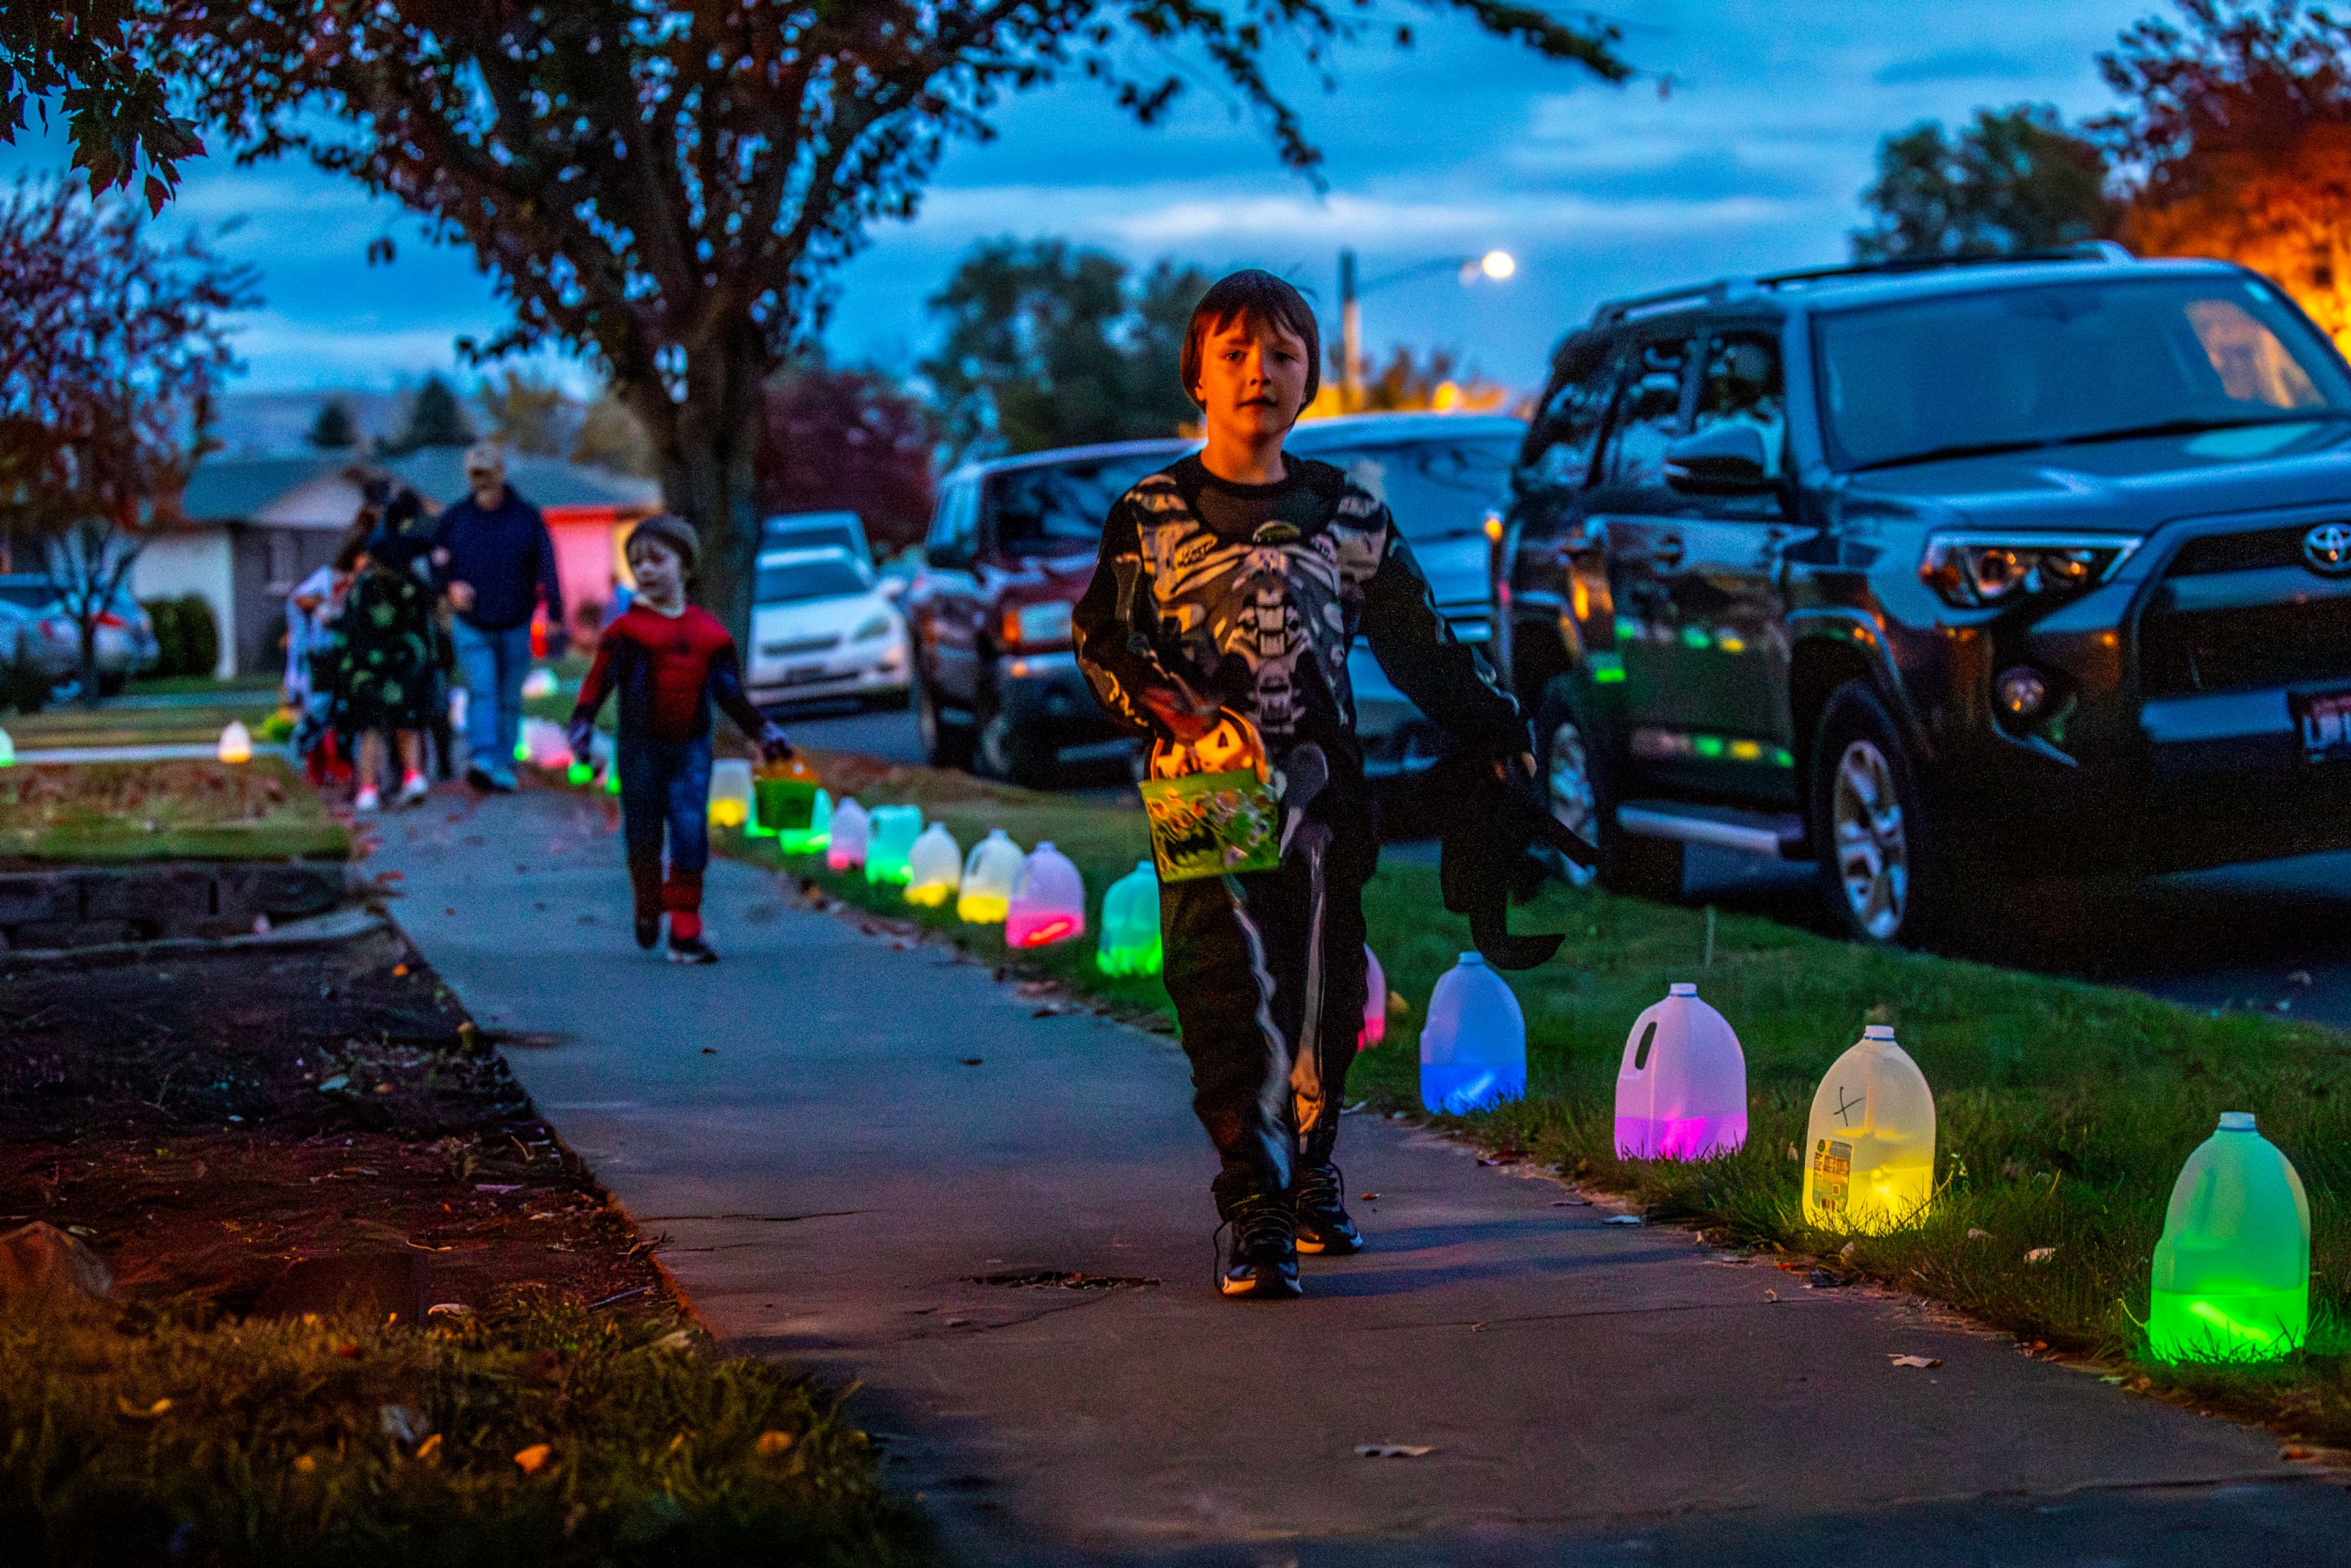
(1494, 822)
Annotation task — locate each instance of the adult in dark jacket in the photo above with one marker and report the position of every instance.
(493, 554)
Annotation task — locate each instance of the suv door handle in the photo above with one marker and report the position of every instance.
(1667, 549)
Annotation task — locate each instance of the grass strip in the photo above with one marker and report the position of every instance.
(2065, 1109)
(198, 809)
(329, 1441)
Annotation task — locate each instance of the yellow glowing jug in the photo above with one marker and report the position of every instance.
(984, 895)
(2232, 1270)
(730, 792)
(235, 743)
(1869, 1162)
(933, 866)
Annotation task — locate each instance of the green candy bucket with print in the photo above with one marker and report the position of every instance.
(1212, 825)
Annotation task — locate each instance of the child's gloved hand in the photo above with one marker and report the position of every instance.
(773, 744)
(582, 736)
(1186, 717)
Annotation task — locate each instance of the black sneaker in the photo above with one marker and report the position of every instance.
(648, 929)
(479, 778)
(1322, 1222)
(690, 950)
(1264, 1262)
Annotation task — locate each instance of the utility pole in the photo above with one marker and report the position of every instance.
(1350, 336)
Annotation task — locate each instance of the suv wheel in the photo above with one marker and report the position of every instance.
(1879, 874)
(1578, 778)
(944, 743)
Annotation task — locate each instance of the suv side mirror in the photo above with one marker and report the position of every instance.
(1725, 459)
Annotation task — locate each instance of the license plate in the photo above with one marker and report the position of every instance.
(2325, 720)
(805, 675)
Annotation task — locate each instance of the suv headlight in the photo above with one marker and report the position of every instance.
(1977, 571)
(874, 626)
(1029, 625)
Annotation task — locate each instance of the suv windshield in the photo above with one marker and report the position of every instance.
(1435, 489)
(2012, 369)
(815, 577)
(1058, 508)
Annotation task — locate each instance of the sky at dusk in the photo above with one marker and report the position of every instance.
(1752, 161)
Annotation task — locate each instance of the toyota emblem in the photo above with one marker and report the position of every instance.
(2327, 547)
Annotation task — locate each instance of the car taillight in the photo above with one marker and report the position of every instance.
(1033, 625)
(109, 618)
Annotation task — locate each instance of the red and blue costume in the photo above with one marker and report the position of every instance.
(668, 670)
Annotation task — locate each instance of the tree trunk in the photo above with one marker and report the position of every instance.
(707, 444)
(87, 624)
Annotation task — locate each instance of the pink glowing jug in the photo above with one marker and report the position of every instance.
(1681, 1093)
(1376, 1003)
(1049, 901)
(846, 848)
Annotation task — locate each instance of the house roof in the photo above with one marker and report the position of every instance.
(234, 489)
(320, 493)
(438, 472)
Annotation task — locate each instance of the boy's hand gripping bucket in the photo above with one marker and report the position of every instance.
(1210, 808)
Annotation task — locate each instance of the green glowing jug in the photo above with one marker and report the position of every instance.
(2232, 1270)
(1130, 924)
(814, 839)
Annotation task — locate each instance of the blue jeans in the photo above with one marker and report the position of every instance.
(495, 664)
(666, 788)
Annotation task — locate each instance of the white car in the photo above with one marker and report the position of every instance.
(821, 631)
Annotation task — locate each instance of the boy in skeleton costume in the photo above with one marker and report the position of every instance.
(1236, 580)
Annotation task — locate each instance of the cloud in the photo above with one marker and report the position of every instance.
(1959, 64)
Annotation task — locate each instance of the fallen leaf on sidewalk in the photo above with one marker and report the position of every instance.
(2041, 1255)
(1978, 1233)
(971, 1061)
(1571, 1203)
(142, 1413)
(1917, 1360)
(533, 1457)
(1621, 1219)
(1770, 1295)
(1036, 988)
(1393, 1450)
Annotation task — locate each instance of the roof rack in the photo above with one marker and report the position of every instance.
(1724, 289)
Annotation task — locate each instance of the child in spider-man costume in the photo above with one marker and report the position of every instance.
(669, 659)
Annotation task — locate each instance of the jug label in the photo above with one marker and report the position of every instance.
(1831, 1166)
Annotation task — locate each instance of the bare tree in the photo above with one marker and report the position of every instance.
(112, 347)
(668, 187)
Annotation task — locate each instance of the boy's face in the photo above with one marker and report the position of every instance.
(660, 577)
(1252, 379)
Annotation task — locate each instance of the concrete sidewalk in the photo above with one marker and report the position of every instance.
(857, 1148)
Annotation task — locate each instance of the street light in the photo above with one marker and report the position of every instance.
(1495, 265)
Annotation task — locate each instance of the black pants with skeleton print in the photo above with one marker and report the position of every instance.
(1270, 1007)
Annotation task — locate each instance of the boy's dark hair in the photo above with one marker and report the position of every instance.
(1261, 298)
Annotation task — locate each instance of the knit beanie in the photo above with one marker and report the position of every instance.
(674, 532)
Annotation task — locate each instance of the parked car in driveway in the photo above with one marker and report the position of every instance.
(125, 641)
(1937, 575)
(1012, 547)
(814, 530)
(821, 631)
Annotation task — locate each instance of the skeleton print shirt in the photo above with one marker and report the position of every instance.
(1253, 594)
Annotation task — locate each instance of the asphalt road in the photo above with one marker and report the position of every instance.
(2274, 936)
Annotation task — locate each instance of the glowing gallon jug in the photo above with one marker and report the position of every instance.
(539, 683)
(1130, 924)
(851, 828)
(730, 792)
(1681, 1091)
(783, 796)
(2232, 1270)
(814, 838)
(543, 743)
(890, 835)
(1871, 1161)
(1376, 1003)
(984, 895)
(934, 867)
(1473, 1050)
(235, 743)
(1049, 901)
(8, 750)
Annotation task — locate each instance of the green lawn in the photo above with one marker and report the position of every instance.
(111, 724)
(112, 812)
(357, 1443)
(2064, 1110)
